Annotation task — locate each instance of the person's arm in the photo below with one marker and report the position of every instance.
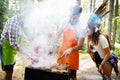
(79, 45)
(75, 48)
(13, 33)
(58, 35)
(107, 56)
(89, 50)
(54, 40)
(105, 46)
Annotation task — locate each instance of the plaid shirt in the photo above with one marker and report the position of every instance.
(114, 60)
(11, 31)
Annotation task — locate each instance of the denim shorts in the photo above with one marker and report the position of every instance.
(107, 63)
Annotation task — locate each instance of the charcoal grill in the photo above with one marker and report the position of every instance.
(39, 74)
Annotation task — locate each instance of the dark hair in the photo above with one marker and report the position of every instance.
(95, 37)
(107, 37)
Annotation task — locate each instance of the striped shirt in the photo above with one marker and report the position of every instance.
(11, 31)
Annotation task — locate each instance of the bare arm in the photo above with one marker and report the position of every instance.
(54, 40)
(72, 49)
(107, 51)
(59, 32)
(89, 50)
(79, 45)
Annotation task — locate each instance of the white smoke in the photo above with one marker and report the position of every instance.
(38, 28)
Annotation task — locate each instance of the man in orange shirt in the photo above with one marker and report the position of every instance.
(73, 38)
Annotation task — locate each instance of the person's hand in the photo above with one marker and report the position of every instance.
(100, 67)
(67, 52)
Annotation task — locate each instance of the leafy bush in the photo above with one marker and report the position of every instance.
(117, 52)
(84, 49)
(118, 34)
(3, 8)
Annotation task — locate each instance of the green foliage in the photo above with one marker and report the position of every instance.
(117, 52)
(118, 28)
(119, 10)
(7, 11)
(118, 35)
(29, 1)
(84, 49)
(3, 14)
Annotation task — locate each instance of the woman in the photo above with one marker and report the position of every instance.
(100, 43)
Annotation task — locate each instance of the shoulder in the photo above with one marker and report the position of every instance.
(103, 41)
(13, 17)
(13, 20)
(102, 37)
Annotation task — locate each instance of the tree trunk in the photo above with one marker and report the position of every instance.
(115, 24)
(94, 4)
(90, 5)
(111, 7)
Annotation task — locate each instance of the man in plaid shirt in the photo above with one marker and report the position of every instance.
(9, 39)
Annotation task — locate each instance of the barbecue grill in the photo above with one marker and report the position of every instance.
(45, 74)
